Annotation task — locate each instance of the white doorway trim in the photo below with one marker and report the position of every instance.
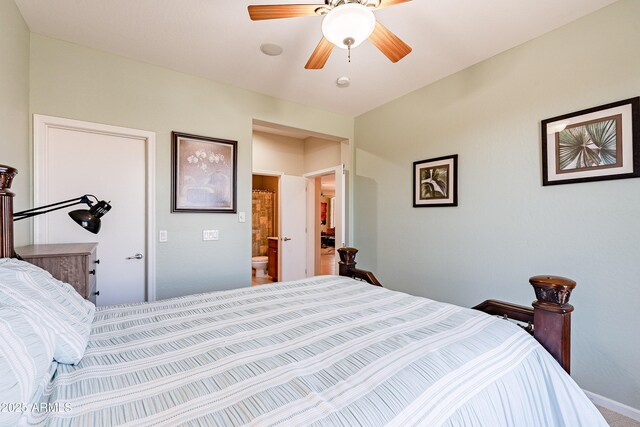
(313, 255)
(41, 125)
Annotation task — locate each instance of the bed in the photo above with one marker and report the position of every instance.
(329, 350)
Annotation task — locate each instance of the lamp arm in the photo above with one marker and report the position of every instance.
(54, 207)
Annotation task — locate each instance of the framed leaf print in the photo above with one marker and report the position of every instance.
(435, 182)
(596, 144)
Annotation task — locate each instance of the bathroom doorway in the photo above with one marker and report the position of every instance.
(264, 229)
(296, 157)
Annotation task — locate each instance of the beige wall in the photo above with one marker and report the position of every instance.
(295, 156)
(508, 227)
(321, 154)
(75, 82)
(14, 108)
(278, 153)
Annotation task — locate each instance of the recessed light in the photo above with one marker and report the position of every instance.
(343, 82)
(271, 49)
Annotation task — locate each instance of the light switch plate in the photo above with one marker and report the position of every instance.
(163, 237)
(208, 235)
(242, 217)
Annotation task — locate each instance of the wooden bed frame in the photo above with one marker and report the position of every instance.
(549, 320)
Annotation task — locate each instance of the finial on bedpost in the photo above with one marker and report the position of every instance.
(347, 260)
(552, 316)
(6, 211)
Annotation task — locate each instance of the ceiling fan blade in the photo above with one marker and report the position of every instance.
(387, 3)
(277, 11)
(389, 44)
(320, 55)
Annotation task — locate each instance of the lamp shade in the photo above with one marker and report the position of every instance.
(89, 219)
(348, 21)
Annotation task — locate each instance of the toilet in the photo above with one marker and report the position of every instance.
(260, 264)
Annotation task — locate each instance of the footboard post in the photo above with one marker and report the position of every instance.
(552, 316)
(347, 267)
(347, 260)
(6, 212)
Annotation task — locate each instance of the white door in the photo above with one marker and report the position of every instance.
(339, 212)
(113, 167)
(292, 229)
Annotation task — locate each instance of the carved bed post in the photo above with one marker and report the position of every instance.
(347, 267)
(552, 316)
(347, 260)
(6, 212)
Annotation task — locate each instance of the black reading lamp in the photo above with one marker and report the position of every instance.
(89, 219)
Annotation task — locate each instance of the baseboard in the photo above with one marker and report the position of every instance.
(612, 405)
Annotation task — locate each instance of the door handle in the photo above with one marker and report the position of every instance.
(136, 256)
(286, 239)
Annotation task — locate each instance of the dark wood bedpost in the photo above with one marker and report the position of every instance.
(6, 212)
(347, 267)
(552, 316)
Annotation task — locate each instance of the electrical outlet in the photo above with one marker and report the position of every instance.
(242, 217)
(208, 235)
(163, 237)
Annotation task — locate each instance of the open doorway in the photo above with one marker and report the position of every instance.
(264, 229)
(300, 159)
(326, 213)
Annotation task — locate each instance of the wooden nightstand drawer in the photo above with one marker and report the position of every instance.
(74, 263)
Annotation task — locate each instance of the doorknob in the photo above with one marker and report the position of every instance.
(286, 239)
(136, 256)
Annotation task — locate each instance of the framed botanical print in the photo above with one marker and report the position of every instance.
(435, 182)
(204, 172)
(596, 144)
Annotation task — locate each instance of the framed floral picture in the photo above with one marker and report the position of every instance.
(435, 182)
(592, 145)
(204, 174)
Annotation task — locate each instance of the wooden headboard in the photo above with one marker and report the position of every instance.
(6, 212)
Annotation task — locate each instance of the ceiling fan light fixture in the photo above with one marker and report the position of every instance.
(352, 21)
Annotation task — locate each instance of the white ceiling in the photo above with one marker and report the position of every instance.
(217, 40)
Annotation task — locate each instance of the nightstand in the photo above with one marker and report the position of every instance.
(74, 263)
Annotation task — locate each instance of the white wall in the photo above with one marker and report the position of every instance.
(71, 81)
(508, 227)
(14, 109)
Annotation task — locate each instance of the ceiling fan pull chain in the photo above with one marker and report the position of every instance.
(349, 54)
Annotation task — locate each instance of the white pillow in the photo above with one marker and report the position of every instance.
(55, 303)
(26, 355)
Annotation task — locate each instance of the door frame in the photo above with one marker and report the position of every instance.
(41, 125)
(313, 253)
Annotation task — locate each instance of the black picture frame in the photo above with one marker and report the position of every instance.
(435, 182)
(595, 144)
(203, 174)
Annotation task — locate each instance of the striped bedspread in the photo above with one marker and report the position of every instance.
(326, 351)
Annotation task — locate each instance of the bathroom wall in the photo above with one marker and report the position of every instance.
(262, 219)
(264, 182)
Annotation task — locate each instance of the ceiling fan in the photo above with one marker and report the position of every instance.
(346, 24)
